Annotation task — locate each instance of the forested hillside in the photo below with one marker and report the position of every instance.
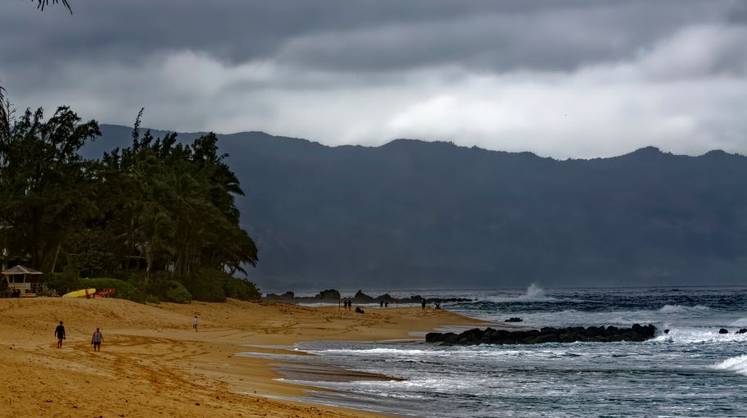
(413, 213)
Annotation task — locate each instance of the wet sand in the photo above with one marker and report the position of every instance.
(153, 364)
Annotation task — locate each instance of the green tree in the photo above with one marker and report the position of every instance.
(46, 188)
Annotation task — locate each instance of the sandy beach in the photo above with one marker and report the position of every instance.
(153, 364)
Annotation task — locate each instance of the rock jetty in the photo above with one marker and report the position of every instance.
(544, 335)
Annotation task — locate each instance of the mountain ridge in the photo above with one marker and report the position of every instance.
(413, 213)
(191, 134)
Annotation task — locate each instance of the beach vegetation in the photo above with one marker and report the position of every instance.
(158, 217)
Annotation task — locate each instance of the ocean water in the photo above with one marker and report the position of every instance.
(692, 371)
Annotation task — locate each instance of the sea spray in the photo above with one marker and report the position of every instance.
(533, 293)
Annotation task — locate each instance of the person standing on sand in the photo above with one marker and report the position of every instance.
(59, 332)
(97, 339)
(195, 322)
(422, 303)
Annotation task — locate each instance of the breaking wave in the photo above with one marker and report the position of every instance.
(669, 309)
(736, 364)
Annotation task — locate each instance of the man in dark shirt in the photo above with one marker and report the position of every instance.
(59, 332)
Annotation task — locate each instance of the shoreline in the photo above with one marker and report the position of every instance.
(152, 363)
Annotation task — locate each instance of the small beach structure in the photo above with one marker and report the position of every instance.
(23, 281)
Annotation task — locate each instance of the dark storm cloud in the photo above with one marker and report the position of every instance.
(561, 78)
(363, 35)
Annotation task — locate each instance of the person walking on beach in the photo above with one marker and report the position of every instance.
(97, 339)
(195, 322)
(422, 304)
(59, 332)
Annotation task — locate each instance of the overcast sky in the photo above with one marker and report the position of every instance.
(559, 78)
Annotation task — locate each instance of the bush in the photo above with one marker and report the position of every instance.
(176, 292)
(214, 286)
(152, 299)
(63, 282)
(123, 289)
(207, 290)
(241, 289)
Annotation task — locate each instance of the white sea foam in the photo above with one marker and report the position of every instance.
(696, 335)
(380, 351)
(670, 309)
(736, 364)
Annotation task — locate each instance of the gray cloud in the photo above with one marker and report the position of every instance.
(562, 78)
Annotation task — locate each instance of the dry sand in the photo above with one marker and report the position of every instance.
(153, 364)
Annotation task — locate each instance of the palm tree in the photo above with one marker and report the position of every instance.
(41, 4)
(6, 112)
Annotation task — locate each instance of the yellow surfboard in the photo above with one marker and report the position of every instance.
(80, 293)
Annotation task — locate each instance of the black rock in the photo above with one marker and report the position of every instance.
(361, 297)
(514, 319)
(285, 296)
(723, 331)
(544, 335)
(358, 309)
(742, 331)
(329, 294)
(386, 298)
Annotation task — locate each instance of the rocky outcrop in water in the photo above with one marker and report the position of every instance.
(545, 335)
(329, 295)
(333, 296)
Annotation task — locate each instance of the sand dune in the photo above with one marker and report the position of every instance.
(153, 364)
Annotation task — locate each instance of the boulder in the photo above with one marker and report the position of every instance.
(514, 319)
(361, 297)
(329, 294)
(386, 298)
(723, 331)
(359, 310)
(742, 331)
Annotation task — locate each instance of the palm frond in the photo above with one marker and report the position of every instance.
(5, 115)
(41, 4)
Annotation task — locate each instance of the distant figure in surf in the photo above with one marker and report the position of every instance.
(381, 304)
(422, 304)
(96, 339)
(386, 304)
(59, 332)
(195, 322)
